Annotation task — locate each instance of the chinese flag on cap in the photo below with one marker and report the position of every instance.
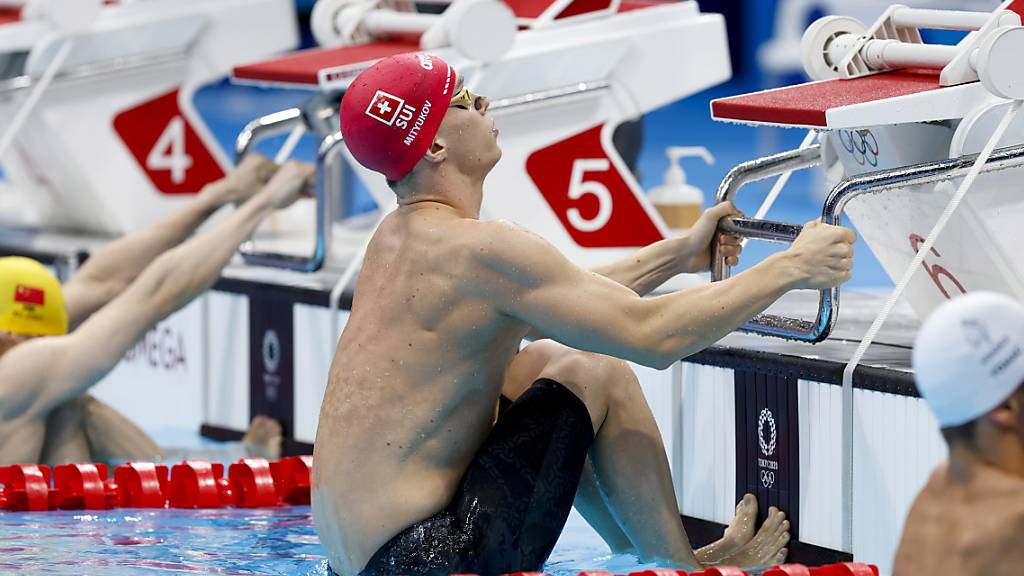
(29, 295)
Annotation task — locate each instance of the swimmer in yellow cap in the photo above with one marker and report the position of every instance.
(31, 299)
(55, 343)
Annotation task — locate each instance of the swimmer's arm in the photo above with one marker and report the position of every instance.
(110, 271)
(584, 310)
(653, 265)
(51, 371)
(648, 267)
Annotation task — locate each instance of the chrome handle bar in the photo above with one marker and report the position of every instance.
(832, 213)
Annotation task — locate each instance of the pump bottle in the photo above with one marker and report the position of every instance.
(680, 204)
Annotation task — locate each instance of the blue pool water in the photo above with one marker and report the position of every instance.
(279, 541)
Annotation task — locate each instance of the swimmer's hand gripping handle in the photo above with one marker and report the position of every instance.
(770, 324)
(737, 178)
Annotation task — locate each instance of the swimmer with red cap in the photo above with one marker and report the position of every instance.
(442, 447)
(57, 342)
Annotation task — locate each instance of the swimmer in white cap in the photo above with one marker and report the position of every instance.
(442, 448)
(55, 343)
(969, 366)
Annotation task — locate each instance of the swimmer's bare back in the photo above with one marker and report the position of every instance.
(441, 306)
(969, 523)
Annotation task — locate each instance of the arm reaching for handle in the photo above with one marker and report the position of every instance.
(111, 270)
(653, 265)
(587, 311)
(41, 374)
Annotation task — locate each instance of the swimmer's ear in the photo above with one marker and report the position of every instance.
(437, 152)
(1008, 414)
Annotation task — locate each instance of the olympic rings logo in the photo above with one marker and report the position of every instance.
(861, 144)
(767, 447)
(767, 478)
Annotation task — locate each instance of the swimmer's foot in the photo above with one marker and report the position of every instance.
(264, 438)
(737, 533)
(767, 548)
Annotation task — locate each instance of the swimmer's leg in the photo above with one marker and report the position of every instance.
(629, 458)
(65, 436)
(589, 501)
(112, 436)
(591, 505)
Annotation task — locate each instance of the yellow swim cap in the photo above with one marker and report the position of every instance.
(31, 299)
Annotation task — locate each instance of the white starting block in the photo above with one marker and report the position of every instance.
(478, 29)
(115, 141)
(902, 118)
(567, 80)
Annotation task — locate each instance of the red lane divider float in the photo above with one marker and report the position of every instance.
(841, 569)
(292, 477)
(250, 483)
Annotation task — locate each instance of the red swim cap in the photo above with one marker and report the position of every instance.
(392, 111)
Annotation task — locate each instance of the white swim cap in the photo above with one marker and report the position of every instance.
(969, 356)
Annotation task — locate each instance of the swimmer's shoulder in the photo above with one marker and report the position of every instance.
(501, 240)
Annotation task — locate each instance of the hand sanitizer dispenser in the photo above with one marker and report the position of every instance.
(679, 203)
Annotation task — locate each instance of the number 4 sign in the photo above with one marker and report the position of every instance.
(166, 147)
(593, 201)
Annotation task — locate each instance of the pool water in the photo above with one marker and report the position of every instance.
(232, 541)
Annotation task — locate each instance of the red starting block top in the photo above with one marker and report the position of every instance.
(9, 15)
(902, 97)
(813, 104)
(304, 67)
(327, 66)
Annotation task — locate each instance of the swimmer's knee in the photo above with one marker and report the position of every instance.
(544, 351)
(70, 409)
(597, 372)
(623, 381)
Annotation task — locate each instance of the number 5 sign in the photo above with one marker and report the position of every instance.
(593, 201)
(166, 147)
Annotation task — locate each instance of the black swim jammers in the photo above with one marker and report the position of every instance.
(514, 499)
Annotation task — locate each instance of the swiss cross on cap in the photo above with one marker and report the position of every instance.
(385, 107)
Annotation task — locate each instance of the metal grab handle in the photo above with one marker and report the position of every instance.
(832, 213)
(313, 117)
(771, 324)
(767, 230)
(328, 163)
(737, 178)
